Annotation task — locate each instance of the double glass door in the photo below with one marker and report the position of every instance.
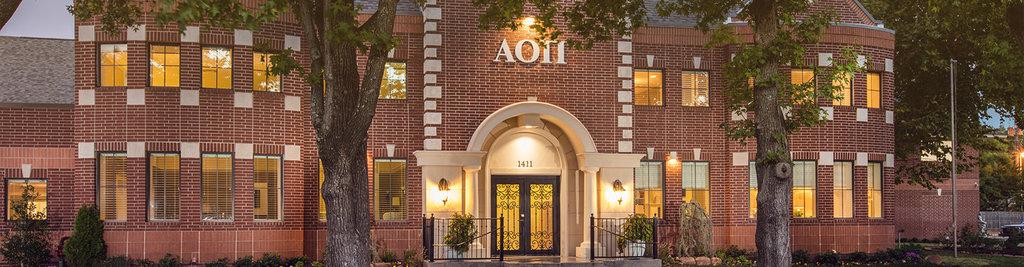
(529, 208)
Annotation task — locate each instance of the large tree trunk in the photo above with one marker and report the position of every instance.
(774, 191)
(7, 8)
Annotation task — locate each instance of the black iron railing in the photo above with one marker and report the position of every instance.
(484, 244)
(609, 239)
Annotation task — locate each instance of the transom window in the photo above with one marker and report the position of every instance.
(266, 188)
(29, 192)
(392, 85)
(874, 90)
(164, 183)
(262, 78)
(695, 88)
(164, 66)
(805, 183)
(389, 188)
(695, 184)
(216, 67)
(647, 87)
(112, 193)
(114, 65)
(217, 190)
(842, 189)
(647, 189)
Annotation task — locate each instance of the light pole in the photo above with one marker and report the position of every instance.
(952, 126)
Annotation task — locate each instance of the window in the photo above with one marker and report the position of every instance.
(392, 85)
(875, 190)
(112, 193)
(164, 177)
(874, 90)
(752, 168)
(695, 184)
(266, 188)
(217, 67)
(323, 206)
(695, 88)
(804, 186)
(164, 66)
(647, 87)
(843, 82)
(262, 79)
(842, 190)
(647, 187)
(389, 188)
(32, 192)
(114, 65)
(804, 86)
(217, 187)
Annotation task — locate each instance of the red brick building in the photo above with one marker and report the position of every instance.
(190, 147)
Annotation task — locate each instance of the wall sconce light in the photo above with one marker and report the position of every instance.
(442, 187)
(673, 157)
(618, 190)
(529, 21)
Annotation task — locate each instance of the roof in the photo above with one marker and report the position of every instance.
(37, 70)
(672, 20)
(405, 7)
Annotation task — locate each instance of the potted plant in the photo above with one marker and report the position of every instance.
(637, 232)
(461, 232)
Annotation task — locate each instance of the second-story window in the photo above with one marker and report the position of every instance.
(114, 65)
(262, 79)
(392, 85)
(844, 83)
(695, 88)
(217, 67)
(874, 90)
(164, 66)
(647, 87)
(803, 83)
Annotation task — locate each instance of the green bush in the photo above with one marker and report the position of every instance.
(246, 261)
(636, 228)
(461, 232)
(222, 262)
(169, 261)
(86, 248)
(801, 257)
(734, 256)
(858, 257)
(295, 261)
(270, 259)
(411, 258)
(1012, 244)
(27, 242)
(827, 259)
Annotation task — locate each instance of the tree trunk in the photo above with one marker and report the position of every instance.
(7, 8)
(774, 191)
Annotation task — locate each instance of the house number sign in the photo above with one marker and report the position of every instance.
(537, 52)
(524, 163)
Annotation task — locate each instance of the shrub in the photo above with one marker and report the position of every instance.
(246, 261)
(411, 258)
(388, 256)
(858, 257)
(801, 257)
(1012, 244)
(169, 261)
(270, 259)
(295, 261)
(119, 261)
(222, 262)
(734, 256)
(638, 229)
(460, 233)
(85, 247)
(830, 258)
(27, 242)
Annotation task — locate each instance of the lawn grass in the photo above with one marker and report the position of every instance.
(966, 259)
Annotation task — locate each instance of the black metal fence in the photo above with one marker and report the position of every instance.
(484, 244)
(609, 238)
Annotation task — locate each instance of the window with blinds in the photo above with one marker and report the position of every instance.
(164, 184)
(874, 90)
(392, 85)
(803, 86)
(842, 189)
(32, 192)
(320, 192)
(112, 192)
(647, 87)
(216, 67)
(695, 184)
(874, 190)
(695, 88)
(805, 183)
(647, 189)
(266, 188)
(217, 187)
(164, 66)
(262, 78)
(389, 188)
(113, 65)
(752, 169)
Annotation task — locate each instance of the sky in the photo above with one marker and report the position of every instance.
(50, 19)
(41, 18)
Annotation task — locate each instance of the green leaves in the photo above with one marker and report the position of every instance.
(582, 23)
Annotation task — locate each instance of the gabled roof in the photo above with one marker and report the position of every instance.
(37, 70)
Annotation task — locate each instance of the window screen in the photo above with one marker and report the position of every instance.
(113, 65)
(695, 184)
(842, 190)
(804, 186)
(112, 190)
(32, 192)
(267, 188)
(389, 188)
(164, 66)
(164, 177)
(217, 187)
(647, 189)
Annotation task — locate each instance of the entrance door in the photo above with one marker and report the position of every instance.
(529, 206)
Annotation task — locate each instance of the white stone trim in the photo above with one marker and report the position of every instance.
(243, 99)
(432, 91)
(627, 134)
(824, 59)
(136, 33)
(430, 105)
(292, 152)
(243, 37)
(135, 96)
(826, 158)
(430, 131)
(433, 39)
(625, 46)
(625, 97)
(190, 150)
(189, 97)
(627, 59)
(292, 103)
(828, 112)
(190, 35)
(738, 115)
(430, 78)
(625, 121)
(625, 146)
(889, 65)
(432, 13)
(740, 158)
(696, 62)
(862, 114)
(890, 160)
(87, 97)
(625, 72)
(432, 144)
(293, 42)
(650, 60)
(433, 65)
(86, 150)
(627, 109)
(862, 61)
(432, 118)
(87, 33)
(430, 26)
(696, 154)
(136, 149)
(889, 117)
(862, 159)
(243, 151)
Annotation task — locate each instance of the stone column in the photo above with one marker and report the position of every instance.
(471, 204)
(589, 207)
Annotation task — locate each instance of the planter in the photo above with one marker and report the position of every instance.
(452, 254)
(635, 249)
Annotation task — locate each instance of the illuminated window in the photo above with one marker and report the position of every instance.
(803, 82)
(389, 188)
(695, 184)
(217, 67)
(874, 90)
(842, 190)
(752, 169)
(31, 192)
(695, 88)
(266, 188)
(647, 189)
(164, 183)
(112, 192)
(804, 186)
(647, 85)
(392, 85)
(323, 206)
(844, 82)
(114, 65)
(217, 190)
(262, 78)
(164, 66)
(875, 190)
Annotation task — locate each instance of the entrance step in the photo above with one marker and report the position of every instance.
(550, 261)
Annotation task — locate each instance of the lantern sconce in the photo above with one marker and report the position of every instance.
(442, 187)
(618, 189)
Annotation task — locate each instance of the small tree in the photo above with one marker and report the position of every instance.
(27, 242)
(86, 246)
